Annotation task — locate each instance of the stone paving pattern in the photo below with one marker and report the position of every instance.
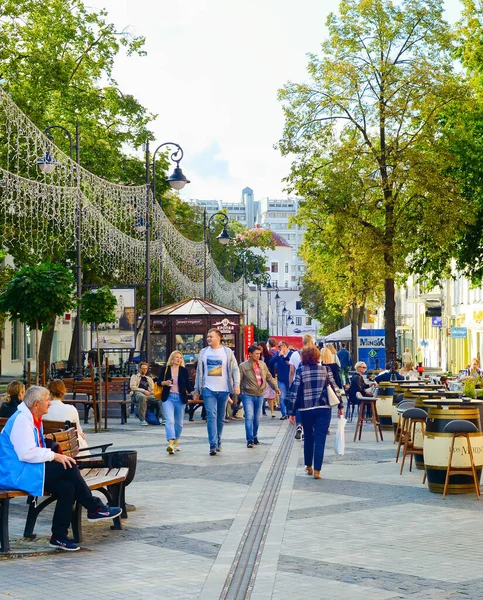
(362, 531)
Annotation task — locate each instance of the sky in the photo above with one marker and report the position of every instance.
(211, 74)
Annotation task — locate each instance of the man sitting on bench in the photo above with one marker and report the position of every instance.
(27, 464)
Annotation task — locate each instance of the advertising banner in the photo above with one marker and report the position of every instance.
(122, 333)
(249, 338)
(371, 346)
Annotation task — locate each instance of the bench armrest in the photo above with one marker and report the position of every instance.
(103, 446)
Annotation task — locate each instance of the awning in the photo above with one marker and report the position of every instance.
(342, 335)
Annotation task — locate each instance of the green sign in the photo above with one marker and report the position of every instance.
(372, 353)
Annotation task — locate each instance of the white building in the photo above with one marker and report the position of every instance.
(246, 211)
(275, 215)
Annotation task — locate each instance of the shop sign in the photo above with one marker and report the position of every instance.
(225, 326)
(188, 322)
(459, 332)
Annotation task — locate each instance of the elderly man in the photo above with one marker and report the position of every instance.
(142, 390)
(27, 464)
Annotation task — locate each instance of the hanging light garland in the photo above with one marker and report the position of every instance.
(37, 214)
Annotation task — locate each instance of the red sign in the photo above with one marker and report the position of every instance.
(249, 338)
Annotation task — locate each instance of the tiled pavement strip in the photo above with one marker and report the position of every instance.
(361, 532)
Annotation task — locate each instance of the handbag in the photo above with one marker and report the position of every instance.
(158, 388)
(339, 442)
(332, 396)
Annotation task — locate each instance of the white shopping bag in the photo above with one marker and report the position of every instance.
(339, 444)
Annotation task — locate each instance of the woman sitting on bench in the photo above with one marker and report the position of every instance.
(58, 411)
(15, 394)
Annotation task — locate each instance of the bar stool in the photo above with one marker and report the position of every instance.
(411, 417)
(401, 407)
(367, 403)
(461, 428)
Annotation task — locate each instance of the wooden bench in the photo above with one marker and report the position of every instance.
(110, 480)
(192, 406)
(118, 386)
(88, 387)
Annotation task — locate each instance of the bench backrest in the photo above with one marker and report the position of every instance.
(67, 440)
(118, 385)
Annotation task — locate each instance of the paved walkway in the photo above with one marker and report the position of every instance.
(362, 531)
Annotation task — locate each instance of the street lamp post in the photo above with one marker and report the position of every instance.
(177, 180)
(47, 164)
(269, 289)
(277, 301)
(223, 238)
(282, 313)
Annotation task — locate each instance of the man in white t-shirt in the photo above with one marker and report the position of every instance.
(217, 376)
(295, 360)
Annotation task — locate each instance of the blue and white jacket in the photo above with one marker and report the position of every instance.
(22, 460)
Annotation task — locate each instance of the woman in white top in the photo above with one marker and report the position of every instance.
(58, 411)
(336, 360)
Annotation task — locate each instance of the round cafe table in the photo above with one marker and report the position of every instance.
(437, 443)
(420, 395)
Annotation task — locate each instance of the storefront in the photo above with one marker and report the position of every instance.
(183, 326)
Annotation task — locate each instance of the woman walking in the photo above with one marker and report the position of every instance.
(15, 394)
(176, 387)
(309, 394)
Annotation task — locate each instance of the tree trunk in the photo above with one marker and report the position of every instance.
(45, 350)
(390, 319)
(354, 332)
(73, 345)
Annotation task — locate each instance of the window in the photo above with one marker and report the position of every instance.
(286, 267)
(298, 320)
(286, 283)
(293, 278)
(274, 267)
(308, 321)
(298, 305)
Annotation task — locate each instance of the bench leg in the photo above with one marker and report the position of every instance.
(86, 414)
(123, 414)
(4, 537)
(116, 493)
(33, 512)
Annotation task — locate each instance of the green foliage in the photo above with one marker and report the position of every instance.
(38, 293)
(260, 335)
(97, 306)
(371, 115)
(314, 303)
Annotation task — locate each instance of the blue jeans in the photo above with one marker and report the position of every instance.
(252, 405)
(283, 387)
(215, 404)
(174, 414)
(316, 424)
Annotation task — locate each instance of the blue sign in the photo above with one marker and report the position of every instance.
(372, 348)
(437, 321)
(459, 332)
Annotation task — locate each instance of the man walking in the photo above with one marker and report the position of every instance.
(345, 364)
(217, 376)
(254, 376)
(27, 464)
(281, 367)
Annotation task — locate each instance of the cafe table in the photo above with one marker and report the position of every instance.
(419, 396)
(437, 443)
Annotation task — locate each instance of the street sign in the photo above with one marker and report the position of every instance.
(459, 332)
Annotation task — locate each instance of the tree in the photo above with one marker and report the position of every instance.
(384, 77)
(97, 306)
(36, 295)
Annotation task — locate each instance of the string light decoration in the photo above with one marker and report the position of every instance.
(37, 215)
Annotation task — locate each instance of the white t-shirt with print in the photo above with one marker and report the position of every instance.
(215, 367)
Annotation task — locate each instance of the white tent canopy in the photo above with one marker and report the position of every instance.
(342, 335)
